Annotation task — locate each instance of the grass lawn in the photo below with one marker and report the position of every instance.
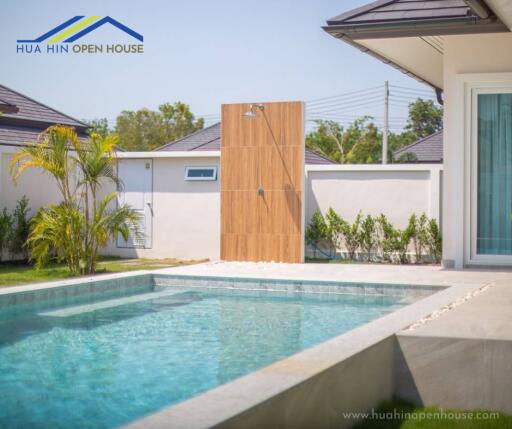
(18, 274)
(407, 416)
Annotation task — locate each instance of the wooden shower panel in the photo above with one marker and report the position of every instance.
(264, 151)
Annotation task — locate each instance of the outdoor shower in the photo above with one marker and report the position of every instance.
(251, 113)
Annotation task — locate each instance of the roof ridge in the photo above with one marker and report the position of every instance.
(186, 137)
(205, 143)
(45, 105)
(418, 141)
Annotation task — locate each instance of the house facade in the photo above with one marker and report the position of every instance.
(462, 50)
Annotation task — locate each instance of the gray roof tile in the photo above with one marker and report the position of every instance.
(399, 10)
(16, 136)
(427, 149)
(195, 140)
(13, 135)
(208, 139)
(33, 111)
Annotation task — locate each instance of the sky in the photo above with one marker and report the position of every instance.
(200, 52)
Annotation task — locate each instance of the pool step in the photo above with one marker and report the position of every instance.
(87, 308)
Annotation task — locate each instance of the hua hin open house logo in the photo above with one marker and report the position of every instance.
(65, 39)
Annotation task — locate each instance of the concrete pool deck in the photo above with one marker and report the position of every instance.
(463, 358)
(365, 273)
(460, 358)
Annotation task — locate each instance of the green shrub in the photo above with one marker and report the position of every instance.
(375, 235)
(368, 236)
(402, 241)
(394, 242)
(352, 236)
(5, 230)
(434, 240)
(316, 232)
(335, 227)
(418, 231)
(20, 228)
(386, 237)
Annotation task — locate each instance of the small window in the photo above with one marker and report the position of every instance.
(200, 173)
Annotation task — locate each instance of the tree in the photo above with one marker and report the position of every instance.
(82, 223)
(327, 140)
(361, 141)
(146, 129)
(425, 118)
(99, 126)
(367, 149)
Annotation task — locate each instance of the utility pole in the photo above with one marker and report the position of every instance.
(386, 124)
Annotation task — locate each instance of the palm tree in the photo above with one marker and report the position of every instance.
(50, 153)
(81, 224)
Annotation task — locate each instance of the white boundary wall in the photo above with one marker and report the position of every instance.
(186, 221)
(396, 190)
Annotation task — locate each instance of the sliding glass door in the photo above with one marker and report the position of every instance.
(492, 175)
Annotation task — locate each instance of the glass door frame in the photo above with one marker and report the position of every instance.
(473, 90)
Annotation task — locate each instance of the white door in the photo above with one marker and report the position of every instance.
(136, 176)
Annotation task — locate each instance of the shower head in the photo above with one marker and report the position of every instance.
(251, 113)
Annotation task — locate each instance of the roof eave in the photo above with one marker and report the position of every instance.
(30, 123)
(355, 34)
(417, 28)
(385, 60)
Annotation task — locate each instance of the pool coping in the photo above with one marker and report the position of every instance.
(231, 400)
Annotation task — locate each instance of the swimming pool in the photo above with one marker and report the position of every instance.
(102, 354)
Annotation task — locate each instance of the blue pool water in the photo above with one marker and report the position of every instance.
(101, 365)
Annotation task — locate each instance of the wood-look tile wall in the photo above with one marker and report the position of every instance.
(266, 151)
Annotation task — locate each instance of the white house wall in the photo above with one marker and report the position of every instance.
(37, 186)
(479, 53)
(186, 222)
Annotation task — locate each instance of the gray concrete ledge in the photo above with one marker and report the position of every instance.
(462, 359)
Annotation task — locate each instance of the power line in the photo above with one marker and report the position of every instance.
(349, 117)
(406, 88)
(339, 100)
(344, 104)
(412, 100)
(316, 100)
(412, 95)
(345, 107)
(321, 118)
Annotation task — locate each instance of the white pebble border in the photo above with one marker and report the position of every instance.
(448, 307)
